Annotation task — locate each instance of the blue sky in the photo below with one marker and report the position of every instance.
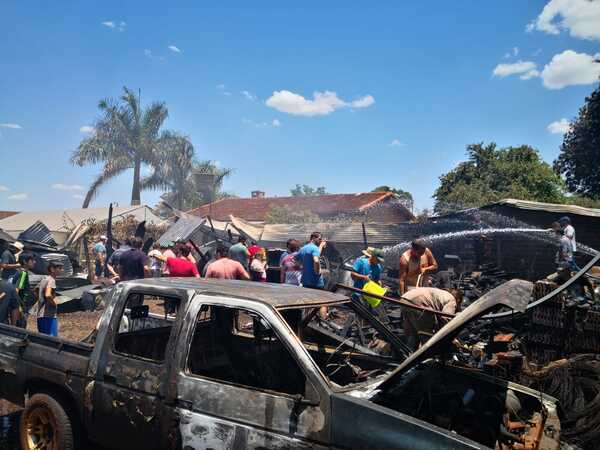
(405, 86)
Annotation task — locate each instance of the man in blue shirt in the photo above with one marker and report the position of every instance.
(311, 267)
(367, 267)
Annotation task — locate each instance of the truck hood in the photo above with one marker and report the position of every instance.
(514, 294)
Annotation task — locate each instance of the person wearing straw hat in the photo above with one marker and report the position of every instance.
(8, 261)
(368, 267)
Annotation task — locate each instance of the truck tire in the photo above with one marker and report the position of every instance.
(45, 425)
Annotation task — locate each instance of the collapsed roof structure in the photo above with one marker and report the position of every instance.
(61, 223)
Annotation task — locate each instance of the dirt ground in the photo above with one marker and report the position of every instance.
(73, 326)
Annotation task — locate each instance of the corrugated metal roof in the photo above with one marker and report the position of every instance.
(182, 230)
(65, 220)
(549, 207)
(38, 232)
(351, 232)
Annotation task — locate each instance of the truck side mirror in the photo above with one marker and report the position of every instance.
(310, 398)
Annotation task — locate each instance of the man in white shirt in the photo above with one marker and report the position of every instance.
(568, 231)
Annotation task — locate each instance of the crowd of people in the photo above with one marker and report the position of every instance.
(299, 265)
(245, 260)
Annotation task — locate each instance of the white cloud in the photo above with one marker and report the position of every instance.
(21, 196)
(363, 102)
(67, 187)
(14, 126)
(531, 74)
(148, 53)
(174, 49)
(78, 196)
(515, 51)
(559, 126)
(4, 188)
(250, 96)
(274, 123)
(87, 129)
(520, 67)
(322, 104)
(396, 143)
(506, 55)
(570, 68)
(581, 18)
(222, 88)
(114, 25)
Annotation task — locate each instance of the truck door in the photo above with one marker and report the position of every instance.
(128, 389)
(240, 384)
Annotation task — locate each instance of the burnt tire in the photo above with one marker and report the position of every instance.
(45, 425)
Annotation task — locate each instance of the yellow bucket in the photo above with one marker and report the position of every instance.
(373, 288)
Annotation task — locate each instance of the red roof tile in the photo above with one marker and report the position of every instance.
(5, 214)
(255, 209)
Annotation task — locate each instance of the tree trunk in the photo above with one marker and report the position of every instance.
(135, 191)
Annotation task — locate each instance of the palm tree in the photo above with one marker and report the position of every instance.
(125, 137)
(176, 173)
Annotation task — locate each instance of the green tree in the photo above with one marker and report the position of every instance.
(491, 173)
(176, 174)
(305, 190)
(287, 214)
(579, 159)
(125, 137)
(405, 197)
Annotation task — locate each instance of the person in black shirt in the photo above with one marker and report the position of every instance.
(9, 303)
(8, 260)
(133, 263)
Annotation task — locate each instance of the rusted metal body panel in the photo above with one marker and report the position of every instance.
(132, 402)
(251, 418)
(360, 424)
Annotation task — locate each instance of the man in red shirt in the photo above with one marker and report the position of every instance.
(180, 266)
(226, 269)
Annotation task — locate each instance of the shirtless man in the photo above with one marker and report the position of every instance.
(414, 262)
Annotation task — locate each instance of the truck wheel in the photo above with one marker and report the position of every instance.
(45, 425)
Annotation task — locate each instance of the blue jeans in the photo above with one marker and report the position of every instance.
(48, 325)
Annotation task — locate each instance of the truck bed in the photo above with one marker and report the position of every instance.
(28, 357)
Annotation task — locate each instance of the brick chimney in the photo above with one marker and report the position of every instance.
(258, 194)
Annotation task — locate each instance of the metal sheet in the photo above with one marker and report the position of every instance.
(182, 230)
(38, 232)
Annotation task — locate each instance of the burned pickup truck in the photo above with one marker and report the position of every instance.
(195, 364)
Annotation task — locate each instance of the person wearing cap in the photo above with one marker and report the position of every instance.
(167, 252)
(415, 264)
(8, 261)
(99, 251)
(100, 246)
(47, 320)
(368, 267)
(568, 231)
